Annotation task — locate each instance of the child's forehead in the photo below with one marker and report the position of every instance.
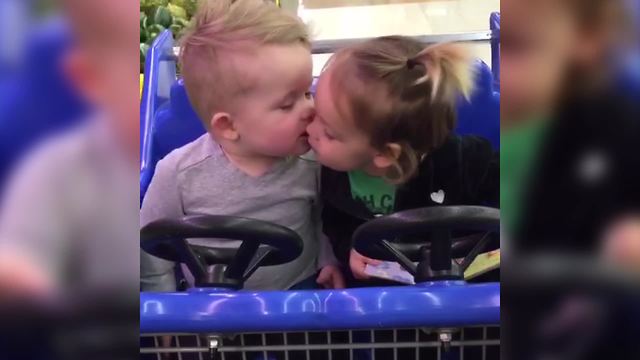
(534, 12)
(352, 91)
(342, 99)
(117, 21)
(275, 66)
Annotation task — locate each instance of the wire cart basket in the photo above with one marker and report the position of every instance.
(441, 317)
(481, 342)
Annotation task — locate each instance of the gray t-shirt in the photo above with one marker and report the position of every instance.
(71, 208)
(198, 179)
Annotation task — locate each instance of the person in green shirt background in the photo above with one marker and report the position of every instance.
(570, 172)
(567, 133)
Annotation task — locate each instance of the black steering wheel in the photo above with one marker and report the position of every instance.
(263, 244)
(379, 238)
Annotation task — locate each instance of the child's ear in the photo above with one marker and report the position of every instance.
(388, 156)
(222, 126)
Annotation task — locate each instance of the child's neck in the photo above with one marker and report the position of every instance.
(373, 170)
(252, 164)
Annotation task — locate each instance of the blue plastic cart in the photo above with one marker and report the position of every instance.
(442, 317)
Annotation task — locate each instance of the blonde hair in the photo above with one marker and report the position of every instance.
(398, 91)
(221, 28)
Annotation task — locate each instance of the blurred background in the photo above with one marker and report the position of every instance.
(71, 79)
(69, 157)
(570, 135)
(344, 19)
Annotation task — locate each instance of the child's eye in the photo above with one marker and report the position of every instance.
(308, 95)
(286, 107)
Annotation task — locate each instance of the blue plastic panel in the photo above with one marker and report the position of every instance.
(481, 114)
(436, 304)
(160, 74)
(36, 98)
(494, 25)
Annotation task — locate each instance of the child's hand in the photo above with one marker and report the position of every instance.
(358, 262)
(21, 278)
(622, 243)
(331, 277)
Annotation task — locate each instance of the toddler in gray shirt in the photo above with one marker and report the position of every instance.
(247, 70)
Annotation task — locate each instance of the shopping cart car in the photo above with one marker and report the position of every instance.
(441, 317)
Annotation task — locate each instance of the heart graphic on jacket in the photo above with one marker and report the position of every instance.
(438, 197)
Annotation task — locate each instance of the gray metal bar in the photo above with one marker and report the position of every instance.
(286, 353)
(484, 347)
(350, 342)
(373, 340)
(417, 339)
(329, 342)
(321, 347)
(244, 354)
(395, 340)
(330, 46)
(178, 346)
(264, 343)
(155, 342)
(199, 344)
(170, 333)
(462, 347)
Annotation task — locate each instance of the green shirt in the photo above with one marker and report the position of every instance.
(378, 195)
(519, 150)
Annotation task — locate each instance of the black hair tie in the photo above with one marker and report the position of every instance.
(411, 64)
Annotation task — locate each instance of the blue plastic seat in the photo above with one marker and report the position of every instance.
(176, 123)
(481, 114)
(36, 99)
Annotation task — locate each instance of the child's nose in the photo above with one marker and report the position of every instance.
(311, 129)
(309, 114)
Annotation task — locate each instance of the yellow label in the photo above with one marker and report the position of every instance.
(141, 84)
(483, 263)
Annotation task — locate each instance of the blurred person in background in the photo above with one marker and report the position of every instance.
(570, 136)
(570, 168)
(59, 201)
(68, 216)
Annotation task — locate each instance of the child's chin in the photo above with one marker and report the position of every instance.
(332, 166)
(301, 149)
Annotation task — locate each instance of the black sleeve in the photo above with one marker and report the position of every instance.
(337, 228)
(481, 171)
(337, 225)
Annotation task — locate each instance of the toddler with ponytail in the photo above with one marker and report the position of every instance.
(385, 113)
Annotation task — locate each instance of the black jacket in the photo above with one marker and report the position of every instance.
(466, 169)
(568, 206)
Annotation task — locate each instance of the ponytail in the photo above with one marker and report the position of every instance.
(448, 67)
